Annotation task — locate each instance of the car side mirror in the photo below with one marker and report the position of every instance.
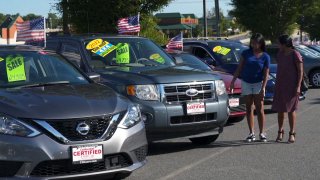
(94, 76)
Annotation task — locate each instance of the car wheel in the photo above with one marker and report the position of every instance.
(204, 140)
(236, 119)
(315, 78)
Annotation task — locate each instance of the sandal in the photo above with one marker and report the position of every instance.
(290, 140)
(280, 135)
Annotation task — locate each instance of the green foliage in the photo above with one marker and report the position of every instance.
(101, 16)
(269, 17)
(149, 30)
(2, 18)
(53, 21)
(30, 16)
(311, 20)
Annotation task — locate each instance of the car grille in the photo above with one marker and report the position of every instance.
(9, 168)
(177, 93)
(141, 153)
(68, 128)
(65, 167)
(193, 118)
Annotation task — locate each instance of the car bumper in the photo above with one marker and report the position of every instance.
(165, 121)
(41, 157)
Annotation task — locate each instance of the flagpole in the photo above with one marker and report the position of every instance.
(139, 23)
(45, 34)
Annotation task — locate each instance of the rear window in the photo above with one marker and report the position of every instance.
(132, 52)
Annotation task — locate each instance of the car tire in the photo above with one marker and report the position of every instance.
(315, 78)
(236, 119)
(204, 140)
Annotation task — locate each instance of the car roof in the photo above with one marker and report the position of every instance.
(83, 37)
(206, 42)
(23, 48)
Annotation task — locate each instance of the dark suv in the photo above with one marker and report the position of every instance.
(175, 102)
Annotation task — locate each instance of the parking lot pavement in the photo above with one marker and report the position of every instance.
(232, 158)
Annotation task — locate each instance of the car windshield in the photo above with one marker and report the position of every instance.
(24, 69)
(316, 47)
(192, 61)
(227, 53)
(131, 52)
(306, 52)
(310, 50)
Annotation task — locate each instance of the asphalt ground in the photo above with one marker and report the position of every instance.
(230, 157)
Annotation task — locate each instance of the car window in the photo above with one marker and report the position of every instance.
(25, 68)
(133, 52)
(52, 45)
(192, 61)
(227, 53)
(72, 53)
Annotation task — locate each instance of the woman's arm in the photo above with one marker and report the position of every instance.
(264, 81)
(237, 73)
(299, 65)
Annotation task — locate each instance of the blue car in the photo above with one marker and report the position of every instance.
(225, 56)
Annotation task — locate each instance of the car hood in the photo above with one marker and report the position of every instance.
(227, 78)
(61, 101)
(155, 75)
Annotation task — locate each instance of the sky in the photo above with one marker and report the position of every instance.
(195, 6)
(43, 7)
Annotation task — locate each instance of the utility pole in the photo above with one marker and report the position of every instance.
(217, 9)
(205, 31)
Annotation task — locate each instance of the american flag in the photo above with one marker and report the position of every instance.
(129, 25)
(175, 42)
(31, 30)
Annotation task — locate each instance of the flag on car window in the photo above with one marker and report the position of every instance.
(31, 30)
(175, 42)
(129, 25)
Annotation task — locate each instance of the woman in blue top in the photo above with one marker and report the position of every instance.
(253, 69)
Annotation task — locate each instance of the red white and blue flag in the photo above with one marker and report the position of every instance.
(33, 30)
(175, 43)
(129, 25)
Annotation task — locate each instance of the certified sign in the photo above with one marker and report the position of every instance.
(87, 154)
(196, 108)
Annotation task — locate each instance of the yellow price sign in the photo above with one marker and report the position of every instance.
(93, 44)
(15, 68)
(157, 58)
(123, 54)
(221, 50)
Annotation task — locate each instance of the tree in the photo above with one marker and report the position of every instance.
(101, 16)
(149, 30)
(53, 20)
(2, 18)
(310, 19)
(269, 17)
(30, 16)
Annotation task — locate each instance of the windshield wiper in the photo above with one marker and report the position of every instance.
(44, 84)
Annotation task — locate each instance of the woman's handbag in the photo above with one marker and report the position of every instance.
(304, 83)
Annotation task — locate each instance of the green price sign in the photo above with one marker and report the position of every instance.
(15, 68)
(123, 54)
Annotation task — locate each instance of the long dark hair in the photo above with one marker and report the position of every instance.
(286, 40)
(260, 39)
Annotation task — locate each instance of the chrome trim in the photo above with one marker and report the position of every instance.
(163, 94)
(52, 130)
(65, 140)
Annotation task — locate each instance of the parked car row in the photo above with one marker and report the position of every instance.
(88, 105)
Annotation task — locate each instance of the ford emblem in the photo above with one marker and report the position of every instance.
(83, 128)
(192, 92)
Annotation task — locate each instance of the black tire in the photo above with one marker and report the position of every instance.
(236, 119)
(204, 140)
(315, 78)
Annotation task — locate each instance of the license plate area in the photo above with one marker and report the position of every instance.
(234, 102)
(196, 108)
(87, 154)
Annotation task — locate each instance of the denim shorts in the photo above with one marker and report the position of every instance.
(250, 88)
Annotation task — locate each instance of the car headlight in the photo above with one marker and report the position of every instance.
(131, 118)
(12, 126)
(220, 87)
(144, 92)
